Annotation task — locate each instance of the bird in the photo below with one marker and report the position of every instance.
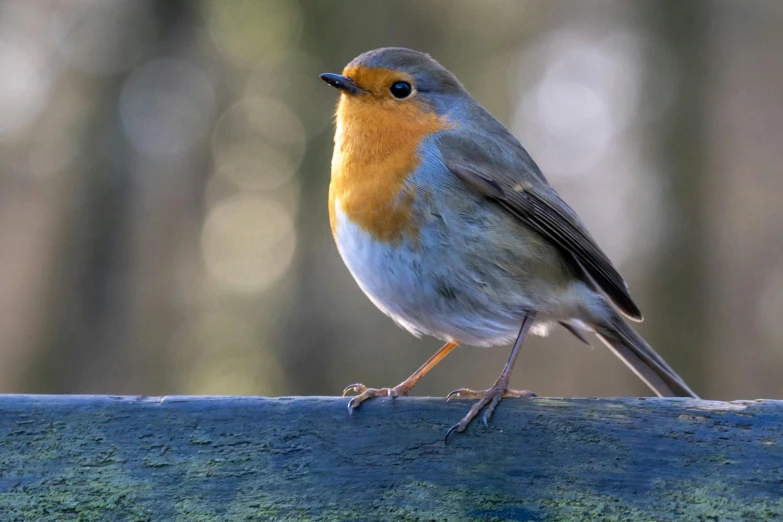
(451, 229)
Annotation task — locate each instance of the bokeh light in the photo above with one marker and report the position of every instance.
(577, 117)
(258, 143)
(166, 106)
(248, 243)
(105, 38)
(584, 98)
(248, 31)
(24, 89)
(294, 80)
(223, 356)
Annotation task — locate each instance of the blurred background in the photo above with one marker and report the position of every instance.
(164, 169)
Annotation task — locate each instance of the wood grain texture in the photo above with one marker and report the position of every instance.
(235, 458)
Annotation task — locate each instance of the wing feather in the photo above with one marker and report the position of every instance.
(531, 200)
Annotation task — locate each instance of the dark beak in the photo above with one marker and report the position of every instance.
(343, 83)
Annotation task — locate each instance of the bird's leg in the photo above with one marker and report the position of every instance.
(492, 396)
(404, 387)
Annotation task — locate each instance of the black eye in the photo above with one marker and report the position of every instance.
(400, 90)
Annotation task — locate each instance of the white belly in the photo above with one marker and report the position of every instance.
(428, 289)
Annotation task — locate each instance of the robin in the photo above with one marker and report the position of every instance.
(451, 229)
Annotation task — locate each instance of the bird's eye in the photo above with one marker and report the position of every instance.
(400, 90)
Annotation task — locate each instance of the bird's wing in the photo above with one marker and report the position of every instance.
(516, 184)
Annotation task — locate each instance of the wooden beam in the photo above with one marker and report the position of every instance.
(242, 458)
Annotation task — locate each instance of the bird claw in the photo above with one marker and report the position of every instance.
(451, 430)
(467, 393)
(488, 401)
(354, 388)
(365, 393)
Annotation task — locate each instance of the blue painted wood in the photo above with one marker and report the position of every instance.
(240, 458)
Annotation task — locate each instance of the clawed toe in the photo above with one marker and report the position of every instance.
(491, 397)
(365, 393)
(404, 387)
(354, 388)
(467, 393)
(519, 393)
(488, 401)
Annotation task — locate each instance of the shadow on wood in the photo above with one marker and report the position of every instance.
(237, 458)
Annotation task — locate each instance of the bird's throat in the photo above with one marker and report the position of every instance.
(376, 151)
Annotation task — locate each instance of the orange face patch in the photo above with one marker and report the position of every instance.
(376, 80)
(375, 151)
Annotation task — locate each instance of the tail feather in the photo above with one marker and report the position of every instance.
(643, 360)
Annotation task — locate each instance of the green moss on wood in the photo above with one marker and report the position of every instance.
(305, 459)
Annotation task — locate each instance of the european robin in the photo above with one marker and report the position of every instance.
(451, 229)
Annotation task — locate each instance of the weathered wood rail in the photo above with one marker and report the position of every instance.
(240, 458)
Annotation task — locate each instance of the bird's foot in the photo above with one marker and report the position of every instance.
(489, 399)
(365, 393)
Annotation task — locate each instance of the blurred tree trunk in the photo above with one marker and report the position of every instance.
(89, 340)
(679, 296)
(87, 242)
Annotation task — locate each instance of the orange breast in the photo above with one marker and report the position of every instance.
(375, 152)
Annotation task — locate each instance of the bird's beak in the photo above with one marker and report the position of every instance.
(343, 83)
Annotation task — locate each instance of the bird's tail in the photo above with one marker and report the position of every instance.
(642, 359)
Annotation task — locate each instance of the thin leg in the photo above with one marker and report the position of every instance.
(494, 394)
(404, 387)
